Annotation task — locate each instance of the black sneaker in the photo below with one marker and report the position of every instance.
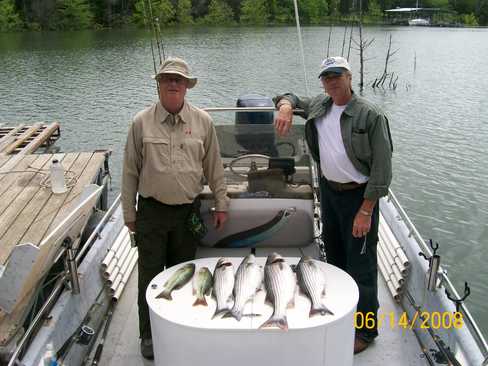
(147, 348)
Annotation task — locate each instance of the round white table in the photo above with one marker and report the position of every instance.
(186, 335)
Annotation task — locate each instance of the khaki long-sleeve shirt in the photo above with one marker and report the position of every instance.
(168, 156)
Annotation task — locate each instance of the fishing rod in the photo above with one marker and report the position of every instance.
(108, 318)
(444, 350)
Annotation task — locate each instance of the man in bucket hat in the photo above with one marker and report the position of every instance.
(349, 138)
(171, 147)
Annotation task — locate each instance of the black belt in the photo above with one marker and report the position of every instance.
(155, 201)
(349, 186)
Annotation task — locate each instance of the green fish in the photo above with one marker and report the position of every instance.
(179, 279)
(202, 284)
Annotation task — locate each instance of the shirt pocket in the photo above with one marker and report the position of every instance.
(361, 145)
(157, 152)
(190, 154)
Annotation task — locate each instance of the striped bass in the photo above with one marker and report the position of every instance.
(223, 286)
(280, 283)
(312, 282)
(249, 278)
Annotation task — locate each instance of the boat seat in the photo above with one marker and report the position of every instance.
(257, 220)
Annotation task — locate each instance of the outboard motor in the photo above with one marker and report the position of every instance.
(252, 139)
(254, 100)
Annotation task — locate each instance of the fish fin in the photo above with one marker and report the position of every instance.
(291, 303)
(323, 292)
(251, 315)
(209, 291)
(200, 301)
(275, 323)
(166, 294)
(222, 312)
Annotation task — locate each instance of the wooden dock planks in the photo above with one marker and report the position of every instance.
(24, 139)
(28, 211)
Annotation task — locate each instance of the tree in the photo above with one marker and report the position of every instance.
(374, 9)
(313, 11)
(219, 13)
(470, 19)
(483, 13)
(9, 18)
(165, 12)
(284, 12)
(254, 12)
(183, 12)
(72, 14)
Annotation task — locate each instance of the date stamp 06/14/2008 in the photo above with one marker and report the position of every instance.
(418, 320)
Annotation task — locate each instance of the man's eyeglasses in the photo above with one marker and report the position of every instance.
(330, 75)
(168, 78)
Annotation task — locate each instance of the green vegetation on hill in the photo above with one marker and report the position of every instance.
(16, 15)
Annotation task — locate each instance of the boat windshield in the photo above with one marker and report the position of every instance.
(242, 139)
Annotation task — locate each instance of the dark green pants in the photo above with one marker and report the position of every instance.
(344, 251)
(163, 240)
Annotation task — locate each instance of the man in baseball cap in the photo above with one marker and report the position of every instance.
(334, 65)
(349, 138)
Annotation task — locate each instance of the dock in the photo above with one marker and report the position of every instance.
(29, 212)
(25, 139)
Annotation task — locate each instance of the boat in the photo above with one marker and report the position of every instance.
(419, 22)
(273, 184)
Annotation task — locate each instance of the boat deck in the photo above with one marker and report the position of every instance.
(393, 347)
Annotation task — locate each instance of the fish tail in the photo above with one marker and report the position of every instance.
(281, 323)
(166, 294)
(322, 310)
(224, 312)
(237, 314)
(200, 301)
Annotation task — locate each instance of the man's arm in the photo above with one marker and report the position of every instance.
(285, 104)
(213, 169)
(130, 176)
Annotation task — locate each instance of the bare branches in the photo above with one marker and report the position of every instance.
(393, 79)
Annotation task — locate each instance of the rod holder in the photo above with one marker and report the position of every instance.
(458, 302)
(434, 264)
(71, 265)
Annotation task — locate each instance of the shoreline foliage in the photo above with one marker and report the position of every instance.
(18, 15)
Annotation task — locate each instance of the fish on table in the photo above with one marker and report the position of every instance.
(280, 283)
(312, 282)
(177, 280)
(202, 285)
(248, 280)
(223, 285)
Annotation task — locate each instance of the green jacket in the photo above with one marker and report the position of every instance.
(365, 133)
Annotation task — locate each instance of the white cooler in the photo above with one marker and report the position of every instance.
(186, 335)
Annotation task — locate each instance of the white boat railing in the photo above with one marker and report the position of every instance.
(468, 318)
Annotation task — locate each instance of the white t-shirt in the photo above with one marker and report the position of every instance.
(334, 162)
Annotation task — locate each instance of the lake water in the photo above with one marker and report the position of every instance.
(94, 82)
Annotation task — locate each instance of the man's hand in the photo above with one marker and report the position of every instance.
(131, 226)
(219, 218)
(284, 119)
(361, 225)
